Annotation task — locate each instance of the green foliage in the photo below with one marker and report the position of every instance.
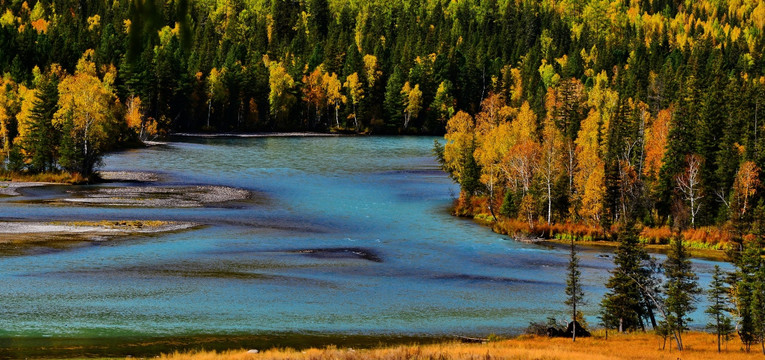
(574, 292)
(626, 305)
(43, 139)
(719, 308)
(681, 288)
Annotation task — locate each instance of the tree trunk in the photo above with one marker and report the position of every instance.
(718, 342)
(209, 108)
(355, 119)
(549, 201)
(679, 341)
(573, 327)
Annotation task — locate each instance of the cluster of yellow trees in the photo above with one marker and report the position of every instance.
(523, 162)
(80, 111)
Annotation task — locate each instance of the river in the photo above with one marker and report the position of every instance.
(345, 235)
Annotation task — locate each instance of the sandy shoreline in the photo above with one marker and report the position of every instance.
(128, 176)
(19, 237)
(11, 188)
(182, 196)
(103, 227)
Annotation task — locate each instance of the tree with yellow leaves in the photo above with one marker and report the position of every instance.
(86, 114)
(9, 106)
(333, 87)
(280, 84)
(550, 163)
(371, 70)
(521, 160)
(216, 90)
(589, 182)
(135, 119)
(494, 140)
(412, 102)
(458, 159)
(355, 94)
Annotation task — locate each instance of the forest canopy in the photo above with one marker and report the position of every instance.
(681, 77)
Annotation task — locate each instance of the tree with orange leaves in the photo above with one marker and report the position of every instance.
(656, 143)
(745, 186)
(520, 161)
(314, 93)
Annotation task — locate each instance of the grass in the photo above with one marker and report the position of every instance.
(52, 177)
(116, 224)
(638, 346)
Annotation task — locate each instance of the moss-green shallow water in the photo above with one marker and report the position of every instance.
(349, 235)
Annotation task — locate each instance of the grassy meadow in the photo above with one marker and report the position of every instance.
(638, 346)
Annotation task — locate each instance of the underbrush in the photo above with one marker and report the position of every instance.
(51, 177)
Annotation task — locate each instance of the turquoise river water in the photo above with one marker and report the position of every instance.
(345, 236)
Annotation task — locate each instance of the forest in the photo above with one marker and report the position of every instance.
(555, 112)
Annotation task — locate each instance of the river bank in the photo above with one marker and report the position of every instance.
(636, 346)
(705, 243)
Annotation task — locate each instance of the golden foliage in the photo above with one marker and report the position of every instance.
(656, 143)
(412, 102)
(24, 117)
(460, 141)
(87, 102)
(371, 70)
(636, 346)
(590, 172)
(745, 185)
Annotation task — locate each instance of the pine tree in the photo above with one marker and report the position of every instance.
(681, 288)
(393, 99)
(42, 142)
(625, 305)
(574, 292)
(748, 264)
(718, 307)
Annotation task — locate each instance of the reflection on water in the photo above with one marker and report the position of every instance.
(353, 238)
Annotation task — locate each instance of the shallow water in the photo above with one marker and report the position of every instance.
(349, 235)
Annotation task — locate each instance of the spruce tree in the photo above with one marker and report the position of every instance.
(681, 288)
(625, 305)
(40, 146)
(748, 265)
(574, 292)
(717, 294)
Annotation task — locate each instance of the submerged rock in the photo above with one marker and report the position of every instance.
(341, 253)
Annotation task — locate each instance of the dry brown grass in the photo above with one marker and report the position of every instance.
(53, 177)
(619, 346)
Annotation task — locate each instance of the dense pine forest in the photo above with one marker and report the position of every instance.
(590, 112)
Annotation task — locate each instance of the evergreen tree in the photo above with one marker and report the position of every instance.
(718, 308)
(42, 142)
(625, 305)
(749, 264)
(574, 292)
(393, 99)
(681, 288)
